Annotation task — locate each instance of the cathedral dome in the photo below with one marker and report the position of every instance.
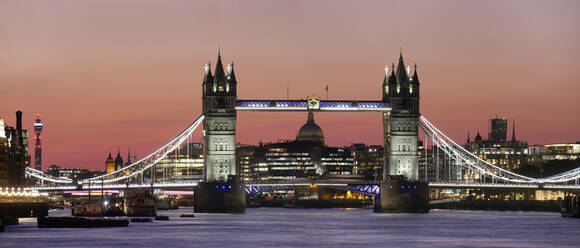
(310, 131)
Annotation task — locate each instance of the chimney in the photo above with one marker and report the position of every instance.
(19, 127)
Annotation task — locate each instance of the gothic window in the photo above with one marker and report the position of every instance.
(216, 148)
(221, 147)
(215, 126)
(225, 126)
(221, 127)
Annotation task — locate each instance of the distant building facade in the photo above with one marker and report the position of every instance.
(539, 154)
(510, 155)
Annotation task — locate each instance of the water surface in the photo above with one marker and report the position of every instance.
(279, 227)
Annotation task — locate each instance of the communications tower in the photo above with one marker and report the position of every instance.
(38, 147)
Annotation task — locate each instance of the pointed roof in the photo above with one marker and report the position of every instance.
(208, 77)
(468, 139)
(119, 158)
(219, 70)
(128, 156)
(386, 79)
(232, 76)
(415, 77)
(401, 73)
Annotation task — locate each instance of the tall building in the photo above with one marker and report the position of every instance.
(497, 130)
(13, 153)
(38, 126)
(219, 97)
(400, 125)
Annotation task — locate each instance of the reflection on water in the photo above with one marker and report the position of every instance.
(280, 227)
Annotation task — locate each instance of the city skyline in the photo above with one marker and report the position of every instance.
(120, 85)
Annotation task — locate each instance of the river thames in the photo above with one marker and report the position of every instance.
(281, 227)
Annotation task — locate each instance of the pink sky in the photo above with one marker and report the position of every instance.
(129, 73)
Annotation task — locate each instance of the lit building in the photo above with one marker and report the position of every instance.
(109, 164)
(244, 154)
(305, 157)
(72, 173)
(38, 126)
(13, 153)
(368, 161)
(540, 154)
(181, 165)
(337, 161)
(510, 155)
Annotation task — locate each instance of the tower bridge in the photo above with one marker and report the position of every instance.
(221, 190)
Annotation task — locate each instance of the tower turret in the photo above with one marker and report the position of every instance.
(207, 80)
(109, 163)
(118, 160)
(231, 82)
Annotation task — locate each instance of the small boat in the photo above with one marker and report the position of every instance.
(141, 220)
(161, 217)
(88, 208)
(140, 204)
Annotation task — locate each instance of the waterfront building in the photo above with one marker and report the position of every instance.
(539, 154)
(13, 153)
(304, 157)
(368, 161)
(244, 154)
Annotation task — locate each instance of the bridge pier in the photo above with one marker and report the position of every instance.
(220, 197)
(400, 196)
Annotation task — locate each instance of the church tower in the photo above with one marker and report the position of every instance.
(219, 99)
(109, 164)
(401, 89)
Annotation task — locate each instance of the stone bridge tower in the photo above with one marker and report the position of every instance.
(221, 190)
(401, 124)
(401, 190)
(219, 125)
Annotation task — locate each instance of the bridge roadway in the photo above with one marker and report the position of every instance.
(311, 105)
(343, 183)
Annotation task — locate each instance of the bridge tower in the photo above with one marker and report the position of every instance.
(401, 190)
(402, 90)
(221, 189)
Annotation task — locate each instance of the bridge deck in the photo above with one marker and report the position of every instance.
(311, 105)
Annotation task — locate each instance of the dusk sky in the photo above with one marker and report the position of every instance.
(114, 73)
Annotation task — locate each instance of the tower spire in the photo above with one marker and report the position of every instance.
(468, 139)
